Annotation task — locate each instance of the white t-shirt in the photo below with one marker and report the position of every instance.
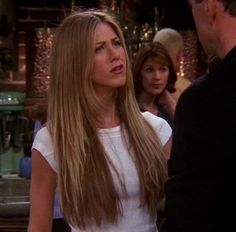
(134, 218)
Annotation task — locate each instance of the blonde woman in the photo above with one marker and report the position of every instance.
(105, 157)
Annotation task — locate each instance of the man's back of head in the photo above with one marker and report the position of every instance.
(213, 25)
(173, 42)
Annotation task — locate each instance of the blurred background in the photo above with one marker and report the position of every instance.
(26, 30)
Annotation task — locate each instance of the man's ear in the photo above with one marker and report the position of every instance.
(213, 7)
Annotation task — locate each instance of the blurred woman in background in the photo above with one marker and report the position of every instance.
(154, 79)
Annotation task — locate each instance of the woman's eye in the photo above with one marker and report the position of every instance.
(148, 70)
(98, 49)
(117, 43)
(163, 69)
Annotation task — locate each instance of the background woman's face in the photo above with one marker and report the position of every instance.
(154, 76)
(109, 59)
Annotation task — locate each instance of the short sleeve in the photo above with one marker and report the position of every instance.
(43, 144)
(160, 125)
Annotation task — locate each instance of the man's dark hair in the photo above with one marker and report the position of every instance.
(229, 5)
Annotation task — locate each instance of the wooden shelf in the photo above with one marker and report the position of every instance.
(13, 224)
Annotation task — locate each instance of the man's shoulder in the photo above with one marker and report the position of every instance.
(198, 87)
(180, 86)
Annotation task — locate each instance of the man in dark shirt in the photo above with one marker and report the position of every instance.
(200, 193)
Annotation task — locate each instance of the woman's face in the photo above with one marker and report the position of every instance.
(109, 59)
(154, 76)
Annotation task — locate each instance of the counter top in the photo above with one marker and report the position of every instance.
(14, 197)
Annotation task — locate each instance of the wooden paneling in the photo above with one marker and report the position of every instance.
(13, 224)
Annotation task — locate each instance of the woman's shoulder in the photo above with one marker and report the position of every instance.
(43, 132)
(160, 125)
(154, 120)
(42, 141)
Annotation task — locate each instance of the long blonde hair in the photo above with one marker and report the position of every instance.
(87, 191)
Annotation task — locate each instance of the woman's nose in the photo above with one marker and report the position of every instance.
(157, 75)
(114, 53)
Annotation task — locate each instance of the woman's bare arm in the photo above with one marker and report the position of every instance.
(42, 191)
(167, 148)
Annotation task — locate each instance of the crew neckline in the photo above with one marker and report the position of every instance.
(111, 130)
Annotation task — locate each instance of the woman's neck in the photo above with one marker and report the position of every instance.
(148, 102)
(109, 117)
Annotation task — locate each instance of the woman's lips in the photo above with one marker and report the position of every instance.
(117, 69)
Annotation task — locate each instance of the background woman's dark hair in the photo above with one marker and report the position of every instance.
(152, 50)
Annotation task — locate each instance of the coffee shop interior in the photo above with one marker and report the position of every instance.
(26, 35)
